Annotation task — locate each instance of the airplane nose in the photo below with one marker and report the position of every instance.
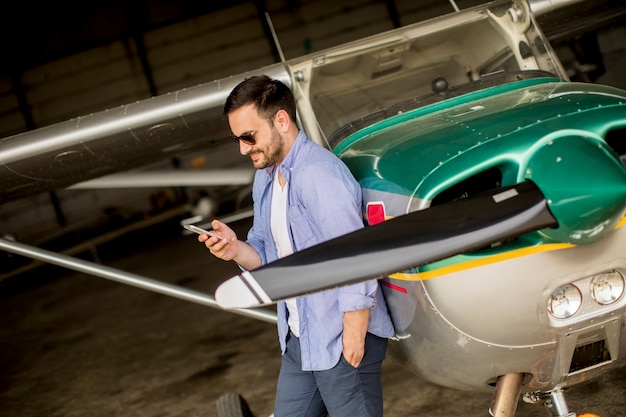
(584, 184)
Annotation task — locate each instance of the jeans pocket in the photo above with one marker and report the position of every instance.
(345, 363)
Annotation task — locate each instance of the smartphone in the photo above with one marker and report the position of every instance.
(201, 231)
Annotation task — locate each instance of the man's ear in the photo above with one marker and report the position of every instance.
(282, 120)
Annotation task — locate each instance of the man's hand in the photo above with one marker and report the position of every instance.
(225, 248)
(354, 331)
(229, 247)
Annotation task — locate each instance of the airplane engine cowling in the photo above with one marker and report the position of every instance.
(585, 186)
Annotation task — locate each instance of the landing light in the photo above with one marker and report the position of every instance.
(608, 287)
(565, 301)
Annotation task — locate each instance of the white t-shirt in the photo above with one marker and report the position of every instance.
(280, 233)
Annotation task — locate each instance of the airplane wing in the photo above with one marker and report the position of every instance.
(119, 139)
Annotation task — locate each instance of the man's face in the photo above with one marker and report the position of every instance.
(269, 146)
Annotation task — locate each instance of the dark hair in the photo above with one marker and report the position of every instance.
(267, 95)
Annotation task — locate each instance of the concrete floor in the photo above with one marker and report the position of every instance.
(77, 345)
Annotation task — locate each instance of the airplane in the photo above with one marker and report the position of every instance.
(494, 197)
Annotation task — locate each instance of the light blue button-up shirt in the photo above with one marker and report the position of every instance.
(324, 201)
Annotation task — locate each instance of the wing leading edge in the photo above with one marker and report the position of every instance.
(119, 139)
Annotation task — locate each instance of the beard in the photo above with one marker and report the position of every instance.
(273, 154)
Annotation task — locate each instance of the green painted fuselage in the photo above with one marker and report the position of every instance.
(550, 132)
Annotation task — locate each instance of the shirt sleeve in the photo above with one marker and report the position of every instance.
(359, 296)
(257, 243)
(256, 235)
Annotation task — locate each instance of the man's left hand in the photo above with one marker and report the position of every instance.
(354, 330)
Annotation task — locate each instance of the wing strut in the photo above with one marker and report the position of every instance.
(126, 278)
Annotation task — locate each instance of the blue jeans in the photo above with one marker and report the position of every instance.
(342, 391)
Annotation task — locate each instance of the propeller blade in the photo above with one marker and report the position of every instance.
(398, 244)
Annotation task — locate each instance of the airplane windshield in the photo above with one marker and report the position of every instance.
(421, 64)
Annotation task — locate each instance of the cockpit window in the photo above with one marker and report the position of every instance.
(420, 64)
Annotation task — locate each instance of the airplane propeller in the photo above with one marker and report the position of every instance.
(398, 244)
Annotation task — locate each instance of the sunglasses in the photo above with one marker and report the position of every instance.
(247, 138)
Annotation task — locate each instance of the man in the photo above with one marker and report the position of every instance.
(333, 342)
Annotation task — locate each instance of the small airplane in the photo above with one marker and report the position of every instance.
(494, 194)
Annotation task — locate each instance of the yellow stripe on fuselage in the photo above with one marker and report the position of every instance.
(505, 256)
(516, 253)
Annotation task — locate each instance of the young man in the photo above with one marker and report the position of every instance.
(333, 342)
